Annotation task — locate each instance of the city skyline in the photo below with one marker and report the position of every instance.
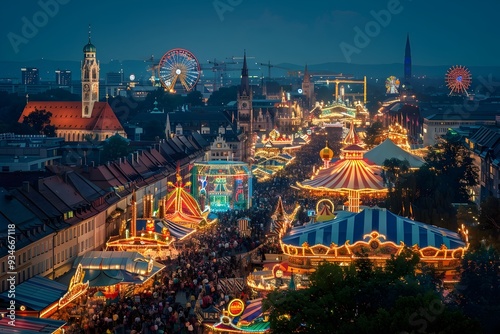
(364, 32)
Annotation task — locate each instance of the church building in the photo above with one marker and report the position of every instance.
(75, 120)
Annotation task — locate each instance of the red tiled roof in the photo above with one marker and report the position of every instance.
(68, 115)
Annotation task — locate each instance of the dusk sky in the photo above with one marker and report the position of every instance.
(300, 32)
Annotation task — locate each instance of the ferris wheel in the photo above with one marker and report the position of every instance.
(178, 66)
(458, 80)
(392, 85)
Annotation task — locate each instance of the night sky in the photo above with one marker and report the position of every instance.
(300, 32)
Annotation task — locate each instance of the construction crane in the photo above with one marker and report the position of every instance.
(269, 66)
(239, 58)
(153, 68)
(220, 67)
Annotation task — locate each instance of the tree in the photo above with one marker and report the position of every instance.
(393, 168)
(489, 217)
(223, 96)
(478, 292)
(455, 168)
(194, 98)
(38, 122)
(114, 147)
(374, 134)
(405, 297)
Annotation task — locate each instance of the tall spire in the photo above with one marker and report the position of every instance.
(168, 130)
(306, 75)
(245, 86)
(89, 33)
(407, 62)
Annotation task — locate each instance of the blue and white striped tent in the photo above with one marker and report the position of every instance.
(356, 227)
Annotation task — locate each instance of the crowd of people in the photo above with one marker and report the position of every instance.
(191, 280)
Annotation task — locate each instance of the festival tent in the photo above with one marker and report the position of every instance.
(358, 227)
(387, 150)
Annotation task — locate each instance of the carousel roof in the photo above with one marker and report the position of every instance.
(352, 137)
(346, 174)
(181, 207)
(354, 227)
(387, 150)
(108, 267)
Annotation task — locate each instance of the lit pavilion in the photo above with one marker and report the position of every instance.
(180, 207)
(351, 176)
(149, 235)
(376, 232)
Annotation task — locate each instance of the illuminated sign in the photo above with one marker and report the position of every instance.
(235, 307)
(76, 287)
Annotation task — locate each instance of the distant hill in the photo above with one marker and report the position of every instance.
(385, 70)
(12, 69)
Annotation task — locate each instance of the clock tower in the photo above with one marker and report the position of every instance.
(90, 79)
(245, 116)
(245, 111)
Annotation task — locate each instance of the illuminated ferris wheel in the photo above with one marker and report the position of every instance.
(392, 85)
(458, 79)
(178, 66)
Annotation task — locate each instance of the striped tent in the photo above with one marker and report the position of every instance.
(176, 230)
(352, 175)
(358, 227)
(347, 174)
(253, 310)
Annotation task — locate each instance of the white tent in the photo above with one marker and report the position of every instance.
(388, 150)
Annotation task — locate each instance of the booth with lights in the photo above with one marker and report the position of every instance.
(222, 185)
(241, 317)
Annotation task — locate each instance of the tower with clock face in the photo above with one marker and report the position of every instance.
(90, 79)
(245, 115)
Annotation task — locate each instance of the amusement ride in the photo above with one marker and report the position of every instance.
(178, 67)
(458, 79)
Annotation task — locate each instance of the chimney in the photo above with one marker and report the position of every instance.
(26, 186)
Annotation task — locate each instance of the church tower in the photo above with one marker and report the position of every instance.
(245, 110)
(308, 88)
(90, 79)
(245, 116)
(407, 63)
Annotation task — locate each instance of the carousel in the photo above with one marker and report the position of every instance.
(181, 208)
(342, 237)
(352, 176)
(179, 217)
